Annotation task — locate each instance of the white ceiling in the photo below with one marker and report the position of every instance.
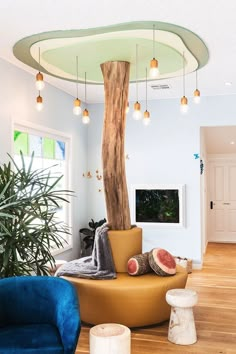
(220, 140)
(213, 21)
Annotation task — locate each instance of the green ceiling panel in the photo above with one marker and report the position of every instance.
(97, 45)
(92, 54)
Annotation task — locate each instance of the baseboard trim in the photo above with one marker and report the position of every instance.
(197, 265)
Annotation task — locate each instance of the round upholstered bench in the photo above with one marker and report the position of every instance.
(130, 301)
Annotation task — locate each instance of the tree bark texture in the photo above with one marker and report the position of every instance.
(116, 85)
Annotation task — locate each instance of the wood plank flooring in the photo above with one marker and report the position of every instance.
(215, 313)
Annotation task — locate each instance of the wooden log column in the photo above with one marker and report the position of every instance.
(116, 85)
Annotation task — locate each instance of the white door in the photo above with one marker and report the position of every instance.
(222, 202)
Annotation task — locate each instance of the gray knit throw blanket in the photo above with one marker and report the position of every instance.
(99, 265)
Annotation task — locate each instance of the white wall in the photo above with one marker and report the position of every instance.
(17, 103)
(163, 153)
(204, 193)
(160, 153)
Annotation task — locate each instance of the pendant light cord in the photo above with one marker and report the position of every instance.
(77, 76)
(153, 42)
(39, 59)
(146, 89)
(137, 72)
(196, 80)
(85, 89)
(183, 75)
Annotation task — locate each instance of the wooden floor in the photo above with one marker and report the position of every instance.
(215, 313)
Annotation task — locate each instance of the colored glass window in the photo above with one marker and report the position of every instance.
(35, 145)
(43, 147)
(21, 143)
(48, 148)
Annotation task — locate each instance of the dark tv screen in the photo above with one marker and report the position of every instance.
(157, 205)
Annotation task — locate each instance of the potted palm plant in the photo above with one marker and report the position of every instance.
(29, 228)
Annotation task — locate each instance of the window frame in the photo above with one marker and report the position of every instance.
(43, 131)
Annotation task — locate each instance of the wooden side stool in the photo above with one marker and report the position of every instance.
(182, 326)
(110, 338)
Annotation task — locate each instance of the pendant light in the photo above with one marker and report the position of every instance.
(154, 71)
(39, 78)
(77, 109)
(196, 94)
(137, 115)
(85, 117)
(39, 103)
(184, 100)
(146, 115)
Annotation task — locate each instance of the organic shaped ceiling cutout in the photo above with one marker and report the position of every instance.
(113, 43)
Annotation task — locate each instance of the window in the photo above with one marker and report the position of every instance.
(51, 150)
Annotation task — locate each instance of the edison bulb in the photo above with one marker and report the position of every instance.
(184, 105)
(154, 73)
(85, 119)
(184, 108)
(39, 84)
(77, 110)
(137, 115)
(39, 106)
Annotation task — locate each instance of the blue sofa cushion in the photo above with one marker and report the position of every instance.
(31, 339)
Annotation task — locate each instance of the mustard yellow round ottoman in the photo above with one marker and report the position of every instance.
(131, 301)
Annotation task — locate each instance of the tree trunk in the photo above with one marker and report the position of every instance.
(116, 84)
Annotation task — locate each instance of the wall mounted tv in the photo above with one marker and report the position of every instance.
(158, 205)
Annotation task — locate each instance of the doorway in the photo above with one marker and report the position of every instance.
(218, 185)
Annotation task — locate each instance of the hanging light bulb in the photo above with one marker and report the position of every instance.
(146, 115)
(146, 118)
(77, 109)
(184, 100)
(39, 83)
(137, 114)
(154, 71)
(39, 103)
(184, 104)
(85, 117)
(196, 94)
(127, 108)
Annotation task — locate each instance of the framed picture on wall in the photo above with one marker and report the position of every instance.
(158, 205)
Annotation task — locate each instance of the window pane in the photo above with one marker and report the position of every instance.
(60, 150)
(21, 142)
(48, 148)
(35, 143)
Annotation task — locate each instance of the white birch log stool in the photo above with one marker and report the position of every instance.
(182, 326)
(110, 338)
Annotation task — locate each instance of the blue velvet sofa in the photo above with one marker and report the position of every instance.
(38, 314)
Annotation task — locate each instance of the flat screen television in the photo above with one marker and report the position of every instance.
(158, 205)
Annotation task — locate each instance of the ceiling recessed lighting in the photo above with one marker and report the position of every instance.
(228, 83)
(232, 142)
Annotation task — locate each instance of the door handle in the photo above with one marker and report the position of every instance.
(211, 204)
